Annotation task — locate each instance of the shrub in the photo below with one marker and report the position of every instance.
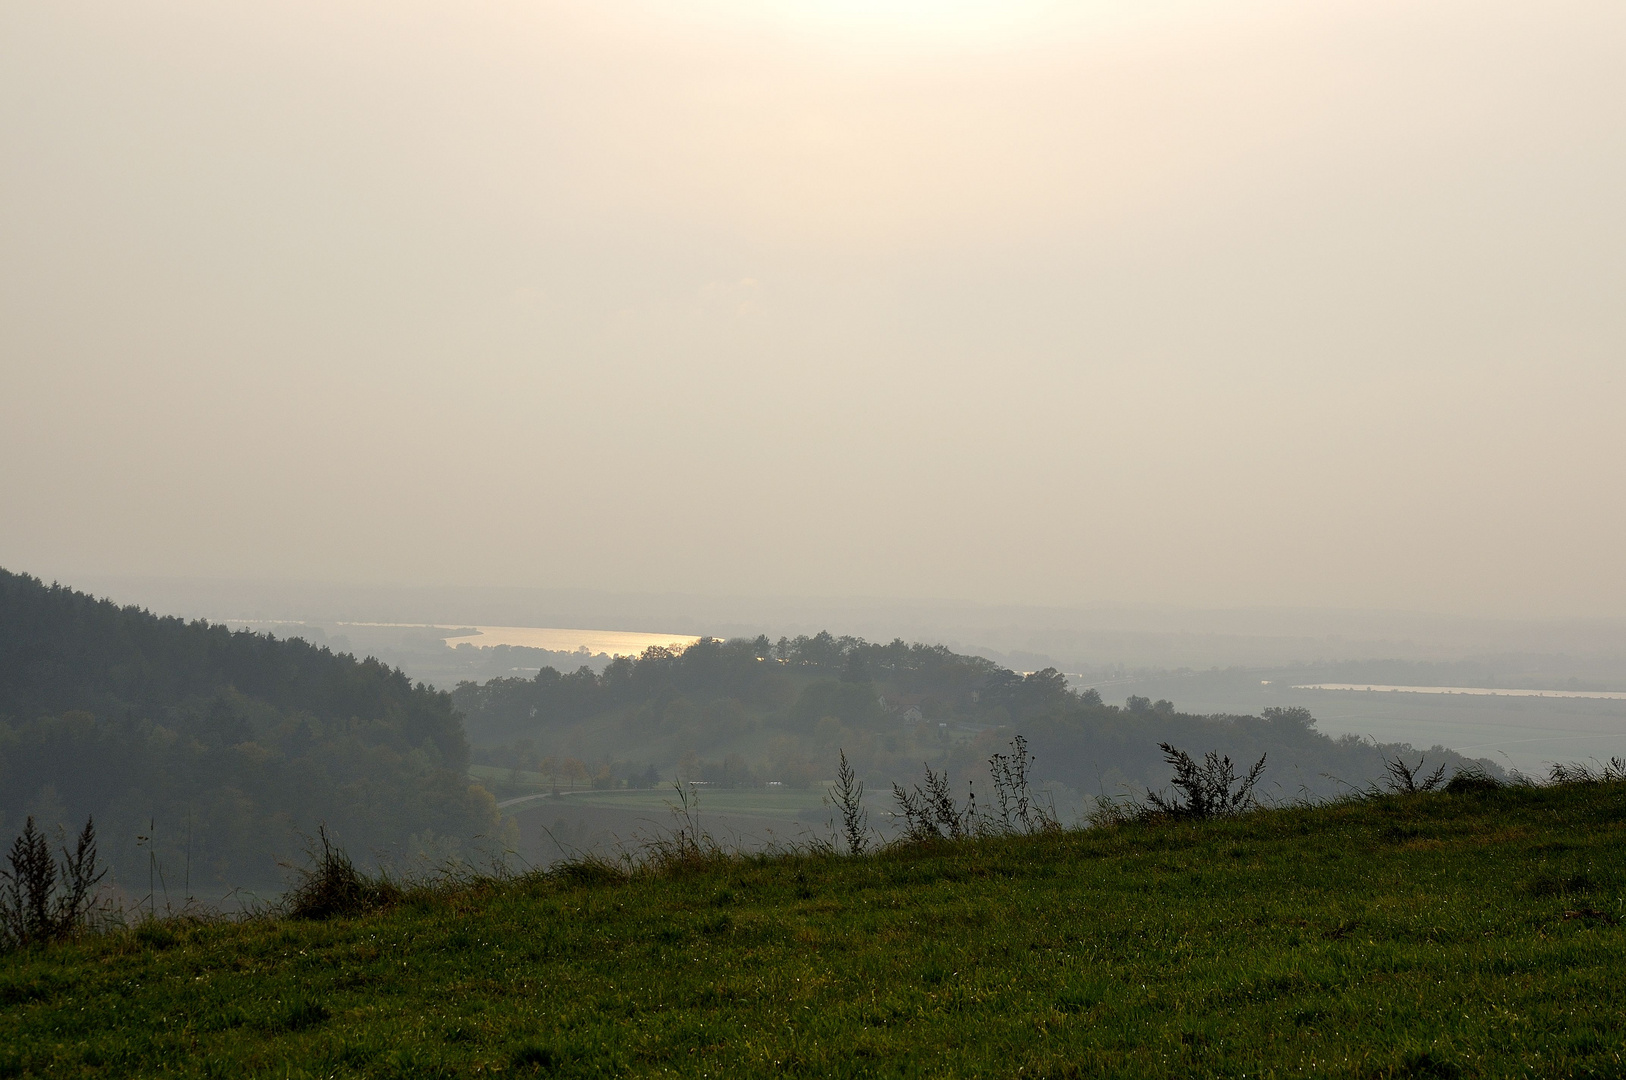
(41, 899)
(1403, 778)
(1211, 789)
(930, 813)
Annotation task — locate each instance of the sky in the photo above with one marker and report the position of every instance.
(1172, 302)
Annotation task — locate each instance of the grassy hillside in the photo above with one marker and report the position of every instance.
(1472, 934)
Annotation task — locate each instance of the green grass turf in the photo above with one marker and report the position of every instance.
(1438, 935)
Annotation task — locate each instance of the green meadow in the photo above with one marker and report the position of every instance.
(1448, 935)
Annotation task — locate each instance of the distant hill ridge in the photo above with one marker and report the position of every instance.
(751, 712)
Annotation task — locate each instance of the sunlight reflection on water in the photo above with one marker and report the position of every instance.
(561, 639)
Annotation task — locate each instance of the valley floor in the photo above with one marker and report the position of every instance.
(1439, 935)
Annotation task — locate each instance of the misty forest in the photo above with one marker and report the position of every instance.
(209, 753)
(212, 757)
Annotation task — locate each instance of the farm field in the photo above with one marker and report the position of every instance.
(1472, 934)
(785, 802)
(761, 801)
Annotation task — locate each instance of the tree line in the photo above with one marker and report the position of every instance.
(752, 711)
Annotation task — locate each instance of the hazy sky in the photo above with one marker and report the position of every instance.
(1183, 302)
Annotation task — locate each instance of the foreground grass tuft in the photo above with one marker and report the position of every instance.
(331, 886)
(1474, 932)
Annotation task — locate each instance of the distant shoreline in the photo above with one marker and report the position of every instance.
(1478, 691)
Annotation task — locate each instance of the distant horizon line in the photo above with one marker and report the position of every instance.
(853, 599)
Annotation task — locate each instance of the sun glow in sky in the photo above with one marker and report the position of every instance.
(1190, 302)
(902, 22)
(938, 24)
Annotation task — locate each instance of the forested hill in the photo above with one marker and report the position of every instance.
(747, 712)
(220, 747)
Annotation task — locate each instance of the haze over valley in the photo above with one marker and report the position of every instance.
(812, 537)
